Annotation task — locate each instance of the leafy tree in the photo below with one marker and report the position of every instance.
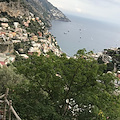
(59, 88)
(8, 77)
(110, 66)
(100, 61)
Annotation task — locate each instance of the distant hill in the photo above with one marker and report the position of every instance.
(45, 10)
(41, 8)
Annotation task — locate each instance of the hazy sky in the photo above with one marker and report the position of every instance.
(108, 10)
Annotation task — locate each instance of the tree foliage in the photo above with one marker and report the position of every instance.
(8, 77)
(59, 88)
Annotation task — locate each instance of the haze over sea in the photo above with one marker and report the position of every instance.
(85, 33)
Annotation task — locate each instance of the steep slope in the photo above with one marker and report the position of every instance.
(21, 32)
(45, 10)
(41, 8)
(13, 8)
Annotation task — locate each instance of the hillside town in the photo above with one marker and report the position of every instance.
(25, 36)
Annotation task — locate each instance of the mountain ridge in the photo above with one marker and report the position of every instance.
(45, 10)
(40, 8)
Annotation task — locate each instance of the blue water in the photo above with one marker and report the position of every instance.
(85, 33)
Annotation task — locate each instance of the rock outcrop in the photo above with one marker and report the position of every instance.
(41, 8)
(7, 47)
(13, 9)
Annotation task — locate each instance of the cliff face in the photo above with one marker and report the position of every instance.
(52, 11)
(41, 8)
(13, 9)
(46, 10)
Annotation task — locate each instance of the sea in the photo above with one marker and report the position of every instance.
(85, 33)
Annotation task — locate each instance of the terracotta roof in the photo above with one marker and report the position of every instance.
(2, 63)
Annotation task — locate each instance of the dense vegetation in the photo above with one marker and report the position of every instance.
(58, 88)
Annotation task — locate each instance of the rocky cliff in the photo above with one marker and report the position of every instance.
(45, 10)
(14, 9)
(41, 8)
